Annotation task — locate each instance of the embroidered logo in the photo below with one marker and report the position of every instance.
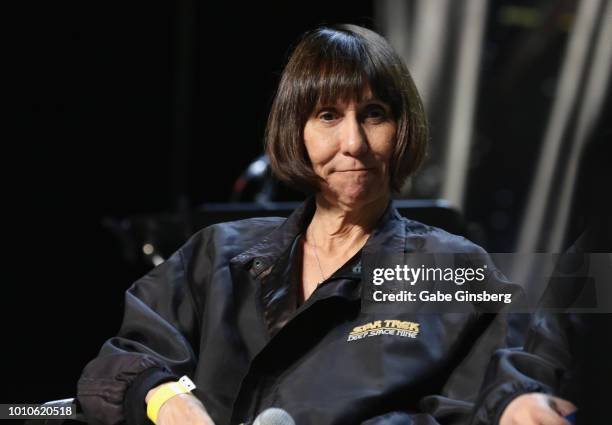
(384, 327)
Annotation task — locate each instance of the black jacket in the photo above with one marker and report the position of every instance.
(223, 310)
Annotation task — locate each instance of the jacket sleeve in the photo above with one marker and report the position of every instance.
(543, 364)
(492, 328)
(155, 343)
(547, 362)
(455, 403)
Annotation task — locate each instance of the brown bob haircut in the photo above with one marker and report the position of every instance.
(332, 64)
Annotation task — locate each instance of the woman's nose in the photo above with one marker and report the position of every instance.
(354, 142)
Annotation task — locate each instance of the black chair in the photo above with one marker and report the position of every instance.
(162, 234)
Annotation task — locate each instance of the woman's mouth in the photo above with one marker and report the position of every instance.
(353, 170)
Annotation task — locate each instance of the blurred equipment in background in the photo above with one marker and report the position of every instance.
(257, 184)
(513, 91)
(579, 97)
(441, 42)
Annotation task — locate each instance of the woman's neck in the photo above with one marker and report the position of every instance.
(336, 228)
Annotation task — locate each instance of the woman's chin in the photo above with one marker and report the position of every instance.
(357, 195)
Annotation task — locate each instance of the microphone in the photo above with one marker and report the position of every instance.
(274, 416)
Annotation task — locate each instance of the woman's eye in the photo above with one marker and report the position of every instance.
(327, 116)
(376, 112)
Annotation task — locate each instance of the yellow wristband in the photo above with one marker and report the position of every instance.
(164, 393)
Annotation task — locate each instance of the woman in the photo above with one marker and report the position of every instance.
(260, 312)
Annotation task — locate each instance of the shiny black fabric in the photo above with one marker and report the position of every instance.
(222, 310)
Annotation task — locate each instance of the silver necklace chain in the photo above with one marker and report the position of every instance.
(314, 243)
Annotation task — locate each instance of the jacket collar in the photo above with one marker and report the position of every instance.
(267, 251)
(389, 237)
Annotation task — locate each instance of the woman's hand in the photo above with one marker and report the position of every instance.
(537, 409)
(181, 409)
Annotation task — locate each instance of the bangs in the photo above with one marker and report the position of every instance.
(339, 69)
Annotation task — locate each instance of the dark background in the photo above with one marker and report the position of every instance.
(95, 137)
(95, 99)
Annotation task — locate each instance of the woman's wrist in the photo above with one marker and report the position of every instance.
(151, 392)
(134, 405)
(161, 394)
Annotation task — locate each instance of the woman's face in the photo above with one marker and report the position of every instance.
(350, 145)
